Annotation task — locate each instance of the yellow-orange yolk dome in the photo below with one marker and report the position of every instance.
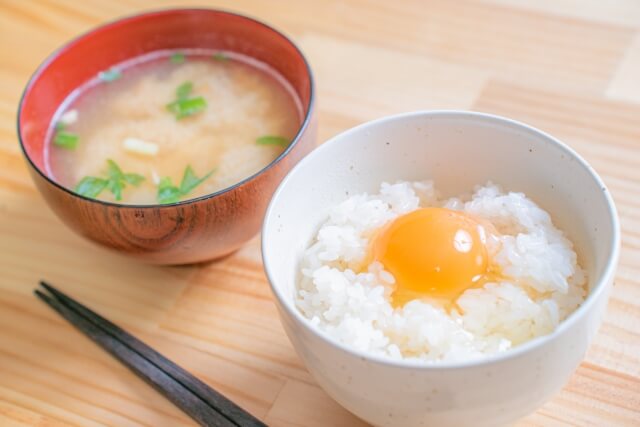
(433, 252)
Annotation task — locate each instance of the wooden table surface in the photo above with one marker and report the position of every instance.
(569, 67)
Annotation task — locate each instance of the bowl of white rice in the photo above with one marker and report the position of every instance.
(441, 268)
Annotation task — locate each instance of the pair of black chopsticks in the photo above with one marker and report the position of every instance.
(195, 398)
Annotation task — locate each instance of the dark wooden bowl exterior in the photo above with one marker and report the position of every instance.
(194, 230)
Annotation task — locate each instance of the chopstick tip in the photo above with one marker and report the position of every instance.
(44, 297)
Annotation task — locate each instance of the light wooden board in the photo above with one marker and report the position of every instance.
(569, 67)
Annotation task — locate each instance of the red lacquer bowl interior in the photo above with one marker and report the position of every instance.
(98, 50)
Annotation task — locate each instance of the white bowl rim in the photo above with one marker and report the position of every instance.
(596, 290)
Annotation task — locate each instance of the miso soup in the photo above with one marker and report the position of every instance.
(172, 126)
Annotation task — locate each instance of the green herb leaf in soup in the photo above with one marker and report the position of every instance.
(109, 75)
(184, 106)
(167, 192)
(133, 178)
(114, 170)
(220, 56)
(90, 186)
(187, 107)
(184, 90)
(115, 187)
(273, 140)
(191, 181)
(118, 180)
(66, 140)
(177, 58)
(115, 182)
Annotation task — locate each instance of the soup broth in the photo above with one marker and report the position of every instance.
(172, 126)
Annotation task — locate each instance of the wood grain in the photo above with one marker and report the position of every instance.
(569, 67)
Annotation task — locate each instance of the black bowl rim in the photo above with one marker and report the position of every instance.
(68, 45)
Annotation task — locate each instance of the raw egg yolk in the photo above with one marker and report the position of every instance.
(433, 252)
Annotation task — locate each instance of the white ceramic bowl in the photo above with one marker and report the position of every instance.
(458, 150)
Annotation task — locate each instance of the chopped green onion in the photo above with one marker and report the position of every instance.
(187, 107)
(177, 58)
(220, 56)
(133, 178)
(60, 126)
(90, 186)
(66, 140)
(116, 187)
(169, 193)
(272, 140)
(114, 170)
(184, 90)
(184, 106)
(116, 178)
(191, 181)
(109, 75)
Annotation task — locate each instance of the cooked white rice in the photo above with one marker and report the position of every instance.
(546, 284)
